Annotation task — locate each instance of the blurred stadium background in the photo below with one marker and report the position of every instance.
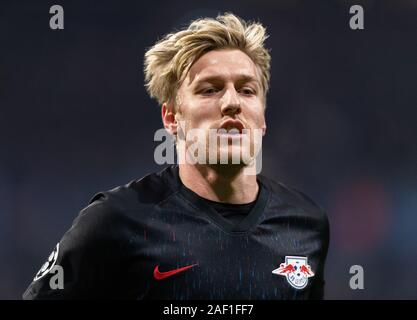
(341, 113)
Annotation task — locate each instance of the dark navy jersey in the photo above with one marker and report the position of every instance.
(156, 239)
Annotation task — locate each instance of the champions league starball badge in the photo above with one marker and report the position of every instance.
(48, 265)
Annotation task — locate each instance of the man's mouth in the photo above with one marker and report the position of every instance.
(231, 127)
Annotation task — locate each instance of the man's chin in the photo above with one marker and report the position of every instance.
(235, 156)
(227, 156)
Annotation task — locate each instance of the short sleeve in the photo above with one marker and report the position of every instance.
(84, 262)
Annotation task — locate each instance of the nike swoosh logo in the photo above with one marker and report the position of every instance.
(158, 275)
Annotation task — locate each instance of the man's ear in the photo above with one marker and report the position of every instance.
(264, 128)
(168, 118)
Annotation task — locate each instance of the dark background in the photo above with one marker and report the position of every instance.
(75, 119)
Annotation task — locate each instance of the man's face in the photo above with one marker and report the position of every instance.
(222, 95)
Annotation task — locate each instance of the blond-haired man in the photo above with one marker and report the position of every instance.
(206, 228)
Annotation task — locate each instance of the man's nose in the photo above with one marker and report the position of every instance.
(230, 102)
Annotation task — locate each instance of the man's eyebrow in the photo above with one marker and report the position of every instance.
(215, 79)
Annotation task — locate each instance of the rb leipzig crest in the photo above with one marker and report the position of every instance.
(296, 270)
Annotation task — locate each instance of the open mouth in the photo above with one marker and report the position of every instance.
(232, 124)
(232, 128)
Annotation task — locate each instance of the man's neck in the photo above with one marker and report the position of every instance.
(221, 183)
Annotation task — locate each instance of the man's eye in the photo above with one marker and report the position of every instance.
(209, 91)
(247, 91)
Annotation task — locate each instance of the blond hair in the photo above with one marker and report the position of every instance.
(168, 61)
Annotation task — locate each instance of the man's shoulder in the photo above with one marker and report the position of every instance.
(110, 215)
(138, 194)
(292, 196)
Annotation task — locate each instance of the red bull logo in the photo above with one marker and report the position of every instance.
(296, 270)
